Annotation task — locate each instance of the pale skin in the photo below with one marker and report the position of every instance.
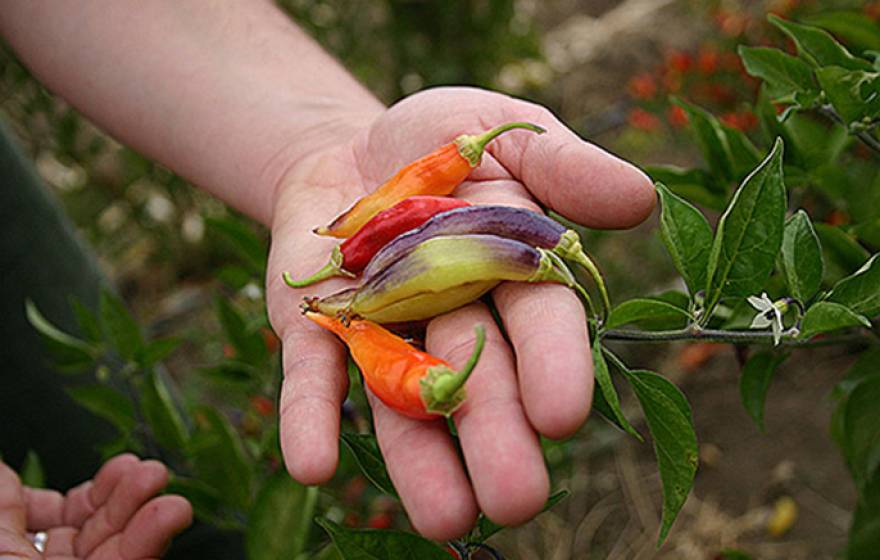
(268, 122)
(115, 516)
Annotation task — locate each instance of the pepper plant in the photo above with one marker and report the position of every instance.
(771, 275)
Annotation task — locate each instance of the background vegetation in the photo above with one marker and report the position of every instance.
(192, 272)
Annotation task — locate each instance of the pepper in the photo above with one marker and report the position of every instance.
(520, 224)
(437, 173)
(440, 274)
(412, 382)
(352, 255)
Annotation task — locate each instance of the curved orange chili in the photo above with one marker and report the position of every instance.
(437, 174)
(412, 382)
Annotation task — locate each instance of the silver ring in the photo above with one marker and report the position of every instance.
(39, 540)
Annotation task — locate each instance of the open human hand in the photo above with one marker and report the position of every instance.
(114, 516)
(540, 383)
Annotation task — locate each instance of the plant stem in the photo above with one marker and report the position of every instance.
(864, 135)
(715, 335)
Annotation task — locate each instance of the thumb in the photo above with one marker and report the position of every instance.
(579, 180)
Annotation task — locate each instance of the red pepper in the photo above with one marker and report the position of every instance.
(437, 173)
(412, 382)
(352, 255)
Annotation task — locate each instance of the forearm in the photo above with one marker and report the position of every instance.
(227, 94)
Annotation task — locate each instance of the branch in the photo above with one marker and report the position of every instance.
(863, 135)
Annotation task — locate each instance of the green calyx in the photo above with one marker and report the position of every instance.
(570, 247)
(329, 270)
(472, 146)
(442, 389)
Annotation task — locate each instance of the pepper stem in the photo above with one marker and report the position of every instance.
(570, 247)
(472, 146)
(560, 273)
(583, 260)
(443, 388)
(329, 270)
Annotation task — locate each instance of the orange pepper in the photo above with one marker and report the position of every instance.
(412, 382)
(436, 174)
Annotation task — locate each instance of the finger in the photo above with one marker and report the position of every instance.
(505, 192)
(136, 487)
(13, 537)
(12, 501)
(553, 361)
(502, 451)
(110, 474)
(78, 505)
(315, 384)
(45, 508)
(575, 178)
(59, 541)
(315, 380)
(82, 501)
(16, 546)
(426, 471)
(153, 526)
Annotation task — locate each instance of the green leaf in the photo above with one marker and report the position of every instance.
(120, 328)
(802, 257)
(687, 236)
(161, 414)
(220, 457)
(373, 544)
(205, 500)
(817, 46)
(815, 145)
(609, 393)
(765, 110)
(840, 248)
(232, 371)
(279, 523)
(242, 239)
(864, 368)
(854, 28)
(864, 534)
(854, 94)
(691, 184)
(744, 156)
(32, 473)
(236, 277)
(861, 290)
(106, 403)
(711, 139)
(784, 74)
(486, 527)
(861, 432)
(369, 459)
(749, 233)
(70, 353)
(754, 382)
(731, 554)
(675, 442)
(868, 232)
(87, 321)
(826, 316)
(157, 350)
(642, 309)
(248, 344)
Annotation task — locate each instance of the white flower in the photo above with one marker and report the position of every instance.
(769, 315)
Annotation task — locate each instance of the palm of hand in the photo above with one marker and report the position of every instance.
(112, 517)
(544, 387)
